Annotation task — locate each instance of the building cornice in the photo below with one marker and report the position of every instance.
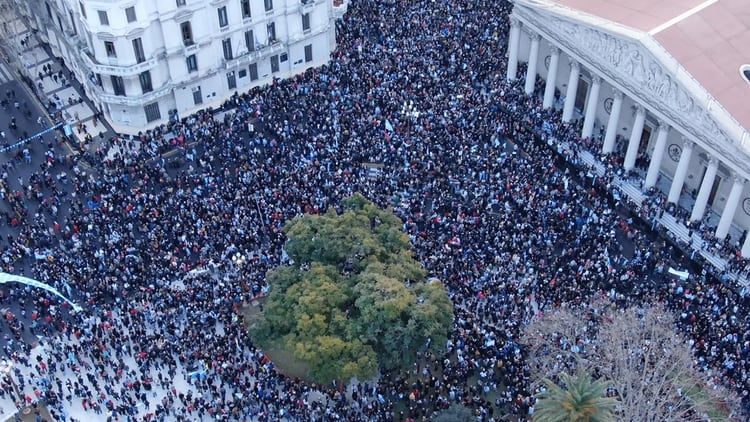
(634, 62)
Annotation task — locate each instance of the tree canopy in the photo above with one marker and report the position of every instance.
(353, 299)
(650, 366)
(579, 399)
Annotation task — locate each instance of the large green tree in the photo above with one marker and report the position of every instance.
(354, 300)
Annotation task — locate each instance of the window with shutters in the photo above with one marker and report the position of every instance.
(223, 18)
(130, 14)
(145, 78)
(192, 63)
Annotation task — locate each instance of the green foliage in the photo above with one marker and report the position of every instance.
(455, 413)
(354, 300)
(581, 400)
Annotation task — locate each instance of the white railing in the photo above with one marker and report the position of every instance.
(131, 70)
(131, 101)
(254, 55)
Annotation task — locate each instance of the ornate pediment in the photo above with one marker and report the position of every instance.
(640, 66)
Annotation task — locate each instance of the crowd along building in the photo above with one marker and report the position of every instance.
(144, 61)
(664, 82)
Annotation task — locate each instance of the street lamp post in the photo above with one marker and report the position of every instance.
(238, 261)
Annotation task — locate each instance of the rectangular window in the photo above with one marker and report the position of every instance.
(187, 33)
(152, 112)
(180, 3)
(253, 70)
(246, 9)
(268, 4)
(223, 18)
(138, 51)
(83, 9)
(250, 40)
(197, 96)
(226, 45)
(308, 53)
(103, 18)
(109, 47)
(130, 14)
(192, 63)
(242, 73)
(118, 86)
(274, 63)
(145, 78)
(271, 29)
(231, 81)
(305, 21)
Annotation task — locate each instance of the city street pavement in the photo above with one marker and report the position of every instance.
(59, 89)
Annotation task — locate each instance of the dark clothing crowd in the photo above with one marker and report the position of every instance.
(414, 112)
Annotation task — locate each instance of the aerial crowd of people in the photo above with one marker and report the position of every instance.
(416, 90)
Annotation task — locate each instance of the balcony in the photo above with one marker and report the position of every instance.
(131, 101)
(254, 55)
(300, 36)
(339, 8)
(90, 62)
(306, 6)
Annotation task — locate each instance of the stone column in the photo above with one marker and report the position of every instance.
(657, 155)
(708, 182)
(635, 138)
(513, 41)
(528, 88)
(730, 207)
(591, 105)
(746, 246)
(679, 175)
(612, 123)
(570, 94)
(549, 86)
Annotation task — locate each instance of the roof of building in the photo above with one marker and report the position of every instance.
(710, 38)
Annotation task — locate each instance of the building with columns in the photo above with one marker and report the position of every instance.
(662, 83)
(142, 61)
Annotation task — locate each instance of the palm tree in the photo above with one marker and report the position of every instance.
(582, 399)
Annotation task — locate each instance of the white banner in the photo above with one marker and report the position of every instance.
(12, 278)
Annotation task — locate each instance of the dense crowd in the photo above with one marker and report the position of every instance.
(510, 222)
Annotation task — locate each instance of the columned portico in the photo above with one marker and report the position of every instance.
(612, 123)
(731, 207)
(679, 176)
(514, 40)
(642, 78)
(531, 68)
(653, 168)
(591, 106)
(570, 94)
(705, 191)
(549, 87)
(635, 138)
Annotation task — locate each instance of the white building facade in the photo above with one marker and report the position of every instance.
(613, 76)
(142, 61)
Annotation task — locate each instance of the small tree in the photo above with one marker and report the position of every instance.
(455, 413)
(580, 399)
(354, 300)
(651, 368)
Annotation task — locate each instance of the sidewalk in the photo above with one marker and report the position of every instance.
(61, 94)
